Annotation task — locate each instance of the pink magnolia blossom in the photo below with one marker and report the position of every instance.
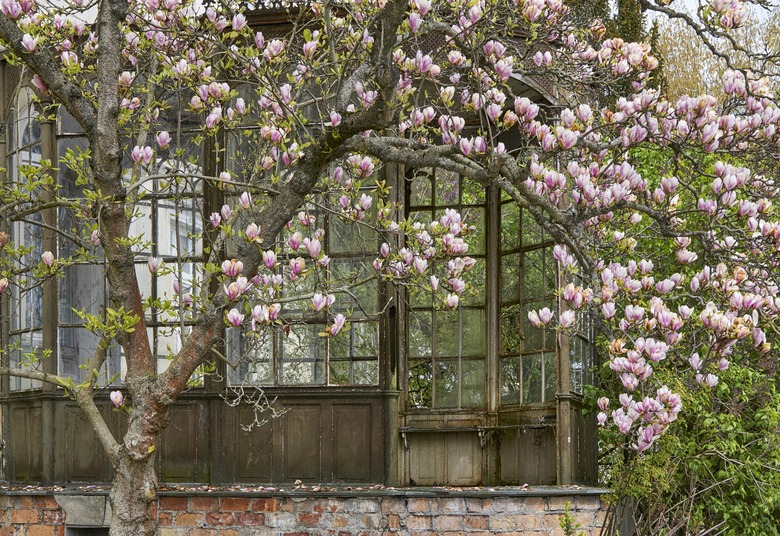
(117, 398)
(29, 42)
(235, 318)
(154, 264)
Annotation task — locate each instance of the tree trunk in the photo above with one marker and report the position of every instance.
(134, 489)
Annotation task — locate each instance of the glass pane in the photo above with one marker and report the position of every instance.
(301, 286)
(260, 369)
(473, 384)
(447, 333)
(510, 226)
(472, 192)
(550, 377)
(476, 239)
(253, 355)
(446, 393)
(421, 188)
(473, 332)
(76, 347)
(419, 297)
(340, 372)
(365, 372)
(511, 332)
(420, 333)
(26, 353)
(532, 232)
(533, 338)
(510, 380)
(362, 340)
(422, 216)
(533, 266)
(532, 379)
(510, 277)
(475, 285)
(141, 225)
(180, 228)
(303, 356)
(350, 237)
(358, 280)
(420, 379)
(447, 186)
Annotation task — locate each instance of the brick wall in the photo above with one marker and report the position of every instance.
(31, 515)
(300, 514)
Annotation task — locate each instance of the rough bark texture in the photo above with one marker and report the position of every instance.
(134, 489)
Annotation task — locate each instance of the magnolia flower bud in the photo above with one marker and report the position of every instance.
(117, 398)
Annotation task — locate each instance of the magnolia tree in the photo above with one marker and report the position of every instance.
(678, 262)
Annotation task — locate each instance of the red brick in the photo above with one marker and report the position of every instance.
(6, 500)
(53, 517)
(25, 516)
(419, 505)
(393, 521)
(165, 519)
(249, 519)
(24, 502)
(46, 501)
(476, 522)
(220, 519)
(309, 519)
(177, 504)
(41, 530)
(204, 504)
(234, 504)
(446, 522)
(264, 505)
(418, 522)
(203, 532)
(7, 531)
(189, 520)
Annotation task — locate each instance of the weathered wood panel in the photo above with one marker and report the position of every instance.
(254, 449)
(180, 443)
(446, 458)
(25, 444)
(302, 430)
(528, 456)
(88, 461)
(320, 438)
(351, 447)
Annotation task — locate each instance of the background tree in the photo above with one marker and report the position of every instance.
(677, 264)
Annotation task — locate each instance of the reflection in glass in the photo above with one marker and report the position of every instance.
(473, 383)
(532, 379)
(303, 356)
(446, 383)
(419, 383)
(510, 380)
